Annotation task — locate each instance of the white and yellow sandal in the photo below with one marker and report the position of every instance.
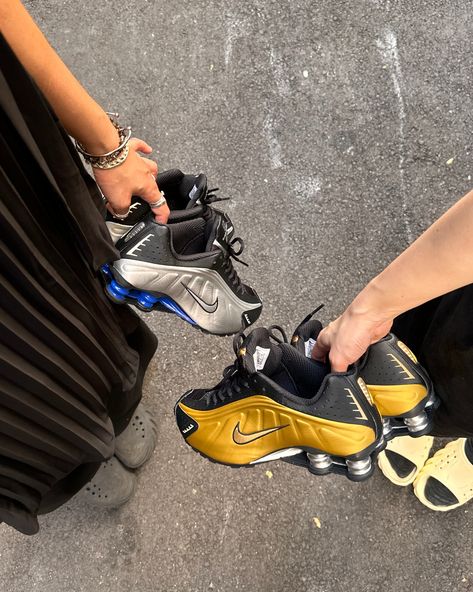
(404, 457)
(446, 481)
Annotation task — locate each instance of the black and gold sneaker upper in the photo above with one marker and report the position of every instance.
(273, 399)
(397, 382)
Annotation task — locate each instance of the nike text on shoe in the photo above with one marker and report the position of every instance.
(187, 268)
(187, 197)
(400, 387)
(275, 403)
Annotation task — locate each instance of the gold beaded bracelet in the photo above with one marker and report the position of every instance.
(115, 157)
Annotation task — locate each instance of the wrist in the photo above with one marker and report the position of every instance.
(375, 303)
(101, 137)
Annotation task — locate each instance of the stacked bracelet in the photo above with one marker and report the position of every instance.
(115, 157)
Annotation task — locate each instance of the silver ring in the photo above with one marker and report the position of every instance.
(121, 216)
(157, 204)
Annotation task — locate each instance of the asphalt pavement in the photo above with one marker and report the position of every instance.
(340, 130)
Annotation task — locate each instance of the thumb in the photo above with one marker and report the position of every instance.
(140, 146)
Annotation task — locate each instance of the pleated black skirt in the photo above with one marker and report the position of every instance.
(440, 333)
(71, 362)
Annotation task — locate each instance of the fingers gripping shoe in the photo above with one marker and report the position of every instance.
(275, 403)
(186, 267)
(400, 388)
(187, 197)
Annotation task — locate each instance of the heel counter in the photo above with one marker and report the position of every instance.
(390, 362)
(347, 399)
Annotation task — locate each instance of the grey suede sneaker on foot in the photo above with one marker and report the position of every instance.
(110, 487)
(135, 445)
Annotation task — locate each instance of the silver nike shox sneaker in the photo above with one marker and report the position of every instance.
(187, 268)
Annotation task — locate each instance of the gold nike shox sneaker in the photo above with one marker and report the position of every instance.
(399, 386)
(275, 403)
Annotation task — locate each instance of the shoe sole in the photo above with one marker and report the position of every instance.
(337, 466)
(418, 422)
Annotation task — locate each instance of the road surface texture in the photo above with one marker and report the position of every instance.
(340, 130)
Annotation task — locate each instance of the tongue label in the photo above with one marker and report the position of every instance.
(309, 346)
(192, 192)
(260, 356)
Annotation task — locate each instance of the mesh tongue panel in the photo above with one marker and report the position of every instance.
(212, 232)
(188, 237)
(194, 187)
(261, 352)
(168, 178)
(181, 191)
(305, 335)
(306, 374)
(181, 215)
(216, 231)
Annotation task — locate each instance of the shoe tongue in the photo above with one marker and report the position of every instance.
(306, 375)
(307, 333)
(182, 191)
(188, 237)
(197, 211)
(219, 229)
(260, 352)
(195, 189)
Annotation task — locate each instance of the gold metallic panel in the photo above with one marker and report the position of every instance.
(397, 400)
(244, 431)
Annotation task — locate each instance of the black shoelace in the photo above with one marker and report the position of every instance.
(281, 331)
(308, 317)
(229, 253)
(232, 381)
(210, 197)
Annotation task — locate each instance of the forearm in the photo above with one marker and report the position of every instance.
(439, 261)
(81, 116)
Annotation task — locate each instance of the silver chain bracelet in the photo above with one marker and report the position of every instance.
(115, 157)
